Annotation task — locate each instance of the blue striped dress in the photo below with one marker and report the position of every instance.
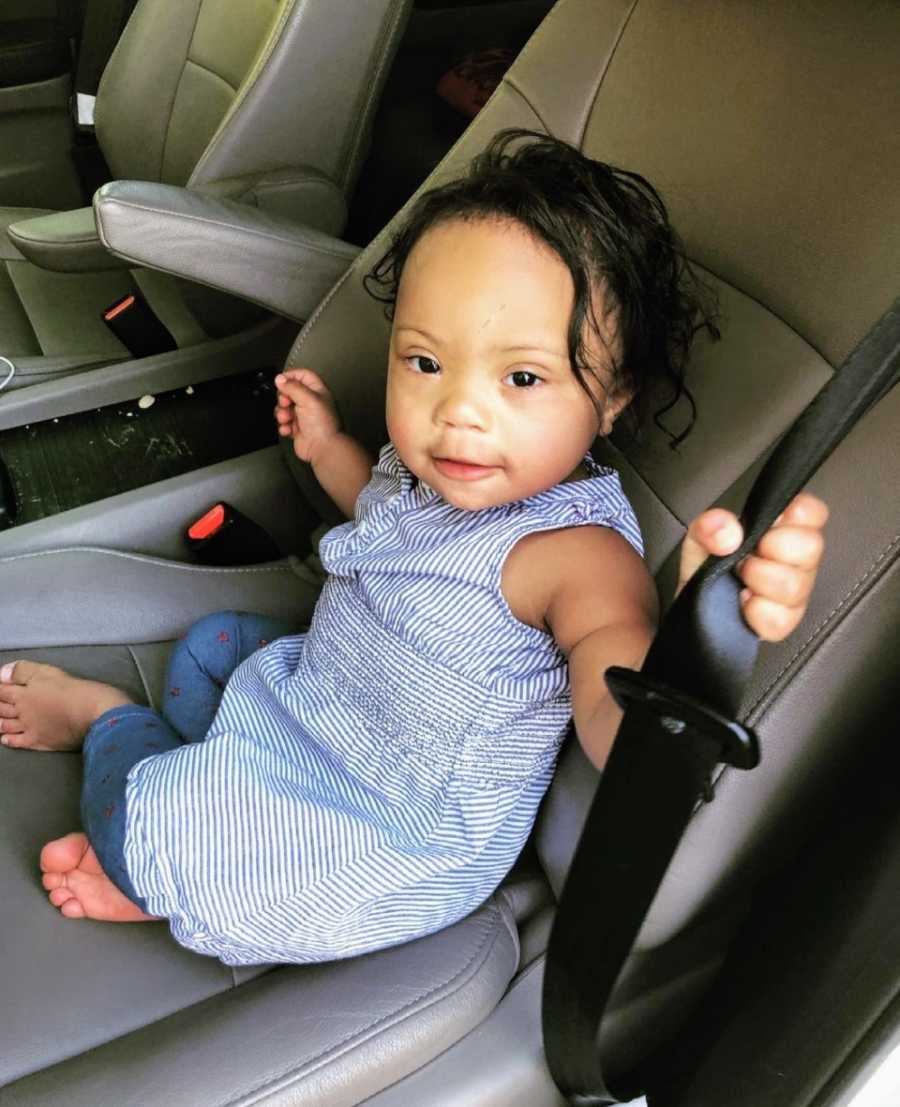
(373, 779)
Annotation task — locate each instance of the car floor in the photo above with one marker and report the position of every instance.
(78, 459)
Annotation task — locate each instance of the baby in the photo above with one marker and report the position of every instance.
(316, 795)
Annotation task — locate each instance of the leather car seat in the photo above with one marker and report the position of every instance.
(268, 102)
(748, 117)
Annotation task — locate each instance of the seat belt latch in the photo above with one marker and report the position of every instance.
(224, 536)
(679, 713)
(132, 321)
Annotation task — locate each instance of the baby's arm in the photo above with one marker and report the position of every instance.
(602, 609)
(307, 412)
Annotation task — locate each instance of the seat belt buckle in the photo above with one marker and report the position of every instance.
(132, 321)
(225, 536)
(679, 713)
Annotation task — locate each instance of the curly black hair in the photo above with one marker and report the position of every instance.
(612, 231)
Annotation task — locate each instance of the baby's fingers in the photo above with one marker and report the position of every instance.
(307, 378)
(776, 581)
(770, 620)
(284, 417)
(804, 510)
(715, 531)
(781, 572)
(800, 546)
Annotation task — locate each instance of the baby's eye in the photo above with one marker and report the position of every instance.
(423, 364)
(522, 378)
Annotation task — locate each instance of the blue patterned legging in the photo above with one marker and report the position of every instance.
(199, 668)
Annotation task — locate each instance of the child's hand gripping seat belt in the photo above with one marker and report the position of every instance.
(677, 727)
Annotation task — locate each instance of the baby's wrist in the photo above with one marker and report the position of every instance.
(323, 448)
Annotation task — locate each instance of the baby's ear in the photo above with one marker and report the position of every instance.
(613, 406)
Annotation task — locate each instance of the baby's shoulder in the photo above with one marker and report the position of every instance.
(593, 565)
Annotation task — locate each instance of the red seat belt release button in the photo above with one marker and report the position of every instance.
(207, 525)
(118, 307)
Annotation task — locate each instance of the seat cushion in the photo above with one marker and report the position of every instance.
(332, 1034)
(51, 323)
(327, 1034)
(319, 1029)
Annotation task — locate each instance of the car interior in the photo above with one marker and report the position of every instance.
(251, 163)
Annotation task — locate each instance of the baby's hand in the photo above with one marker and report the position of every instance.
(305, 411)
(780, 573)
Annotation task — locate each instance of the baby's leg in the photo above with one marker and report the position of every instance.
(203, 661)
(43, 708)
(86, 875)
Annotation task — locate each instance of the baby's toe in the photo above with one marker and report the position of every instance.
(12, 733)
(59, 896)
(19, 672)
(63, 854)
(9, 694)
(53, 880)
(72, 909)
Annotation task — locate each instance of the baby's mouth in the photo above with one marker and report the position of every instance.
(462, 469)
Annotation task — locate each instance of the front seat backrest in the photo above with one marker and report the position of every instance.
(782, 179)
(193, 94)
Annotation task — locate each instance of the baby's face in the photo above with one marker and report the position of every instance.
(482, 404)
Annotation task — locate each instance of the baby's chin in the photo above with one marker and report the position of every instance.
(476, 495)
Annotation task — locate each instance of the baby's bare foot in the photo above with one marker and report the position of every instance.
(79, 887)
(43, 708)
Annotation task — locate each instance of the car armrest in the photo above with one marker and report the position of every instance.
(300, 193)
(258, 255)
(64, 241)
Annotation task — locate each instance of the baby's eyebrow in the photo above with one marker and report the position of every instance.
(417, 330)
(525, 347)
(535, 347)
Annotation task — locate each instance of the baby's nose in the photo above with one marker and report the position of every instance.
(461, 406)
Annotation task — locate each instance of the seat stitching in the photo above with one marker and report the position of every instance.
(140, 672)
(36, 240)
(162, 157)
(511, 84)
(248, 83)
(816, 630)
(602, 76)
(539, 34)
(363, 117)
(278, 567)
(489, 939)
(293, 240)
(724, 770)
(206, 69)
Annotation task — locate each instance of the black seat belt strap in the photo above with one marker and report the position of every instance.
(679, 724)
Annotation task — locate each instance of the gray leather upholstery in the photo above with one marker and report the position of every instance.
(268, 101)
(64, 241)
(192, 235)
(36, 134)
(747, 116)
